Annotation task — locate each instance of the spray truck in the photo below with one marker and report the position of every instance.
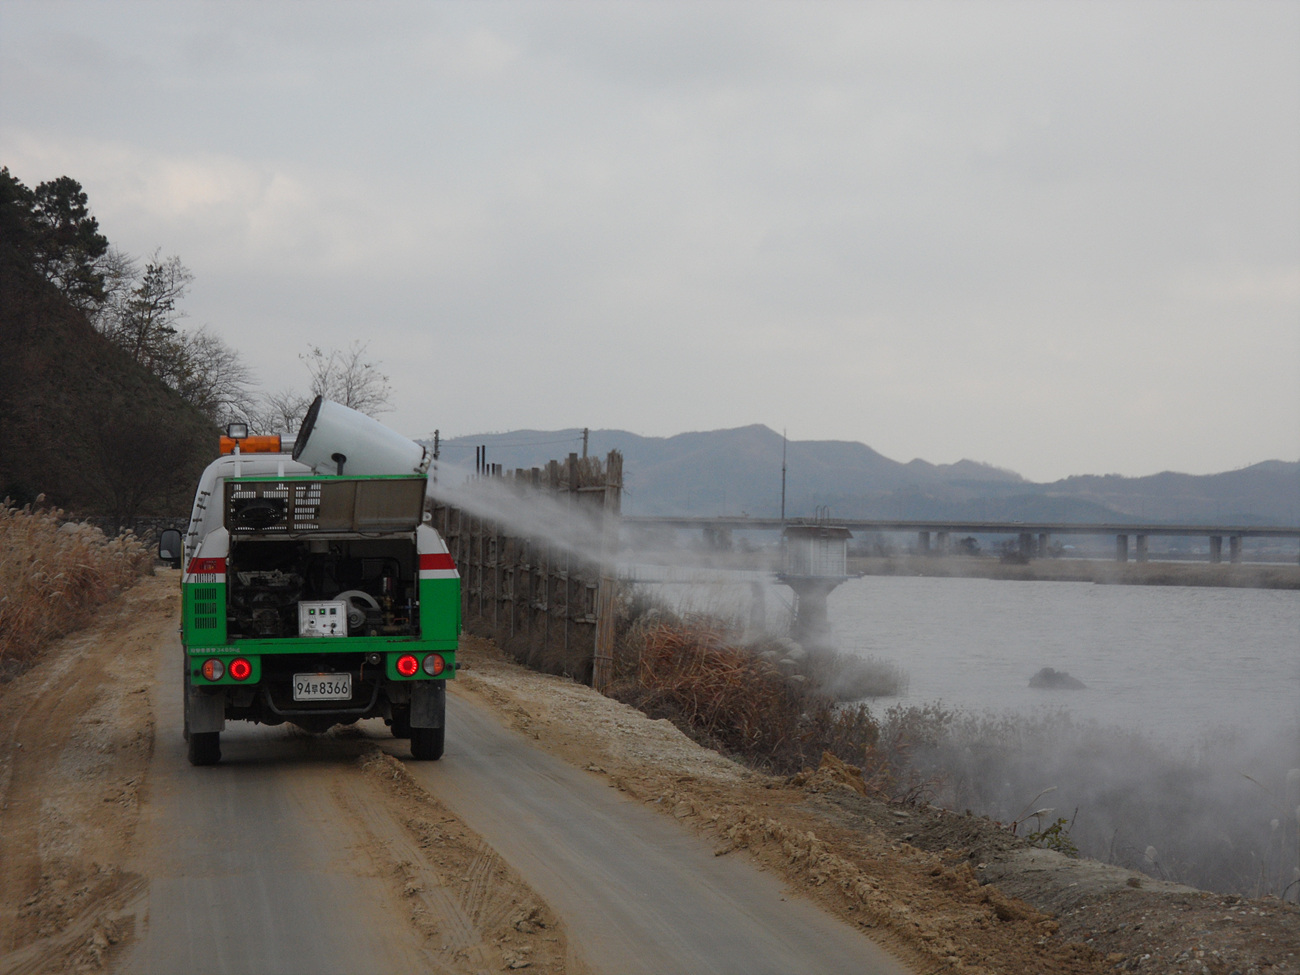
(314, 591)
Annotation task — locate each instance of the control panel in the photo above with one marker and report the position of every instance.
(325, 617)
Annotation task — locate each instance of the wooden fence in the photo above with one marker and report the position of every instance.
(539, 578)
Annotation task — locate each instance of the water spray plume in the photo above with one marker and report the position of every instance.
(533, 514)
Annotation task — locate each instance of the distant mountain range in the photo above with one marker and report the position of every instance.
(734, 472)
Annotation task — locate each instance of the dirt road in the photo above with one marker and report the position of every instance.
(337, 854)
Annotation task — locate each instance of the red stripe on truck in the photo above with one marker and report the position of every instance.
(437, 561)
(207, 566)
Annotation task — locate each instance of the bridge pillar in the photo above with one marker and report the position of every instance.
(942, 541)
(923, 543)
(1026, 544)
(1121, 548)
(1216, 548)
(1141, 548)
(809, 624)
(1042, 544)
(1234, 549)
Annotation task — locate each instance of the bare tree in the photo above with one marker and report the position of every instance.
(212, 376)
(119, 272)
(347, 377)
(280, 412)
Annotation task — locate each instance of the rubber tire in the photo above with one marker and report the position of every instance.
(205, 747)
(185, 697)
(401, 722)
(427, 743)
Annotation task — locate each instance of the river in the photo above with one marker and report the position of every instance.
(1171, 661)
(1174, 662)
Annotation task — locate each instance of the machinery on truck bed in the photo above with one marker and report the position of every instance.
(313, 591)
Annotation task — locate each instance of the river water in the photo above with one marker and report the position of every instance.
(1172, 661)
(1175, 662)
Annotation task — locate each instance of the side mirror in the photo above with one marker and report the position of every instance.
(169, 547)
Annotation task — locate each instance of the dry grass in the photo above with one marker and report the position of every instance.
(743, 703)
(53, 573)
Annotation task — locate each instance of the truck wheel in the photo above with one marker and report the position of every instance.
(427, 743)
(185, 697)
(205, 747)
(401, 722)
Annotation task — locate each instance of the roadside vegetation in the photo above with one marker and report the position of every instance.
(768, 703)
(53, 574)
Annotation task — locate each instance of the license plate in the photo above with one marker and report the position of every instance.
(322, 687)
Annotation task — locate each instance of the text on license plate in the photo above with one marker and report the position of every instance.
(322, 687)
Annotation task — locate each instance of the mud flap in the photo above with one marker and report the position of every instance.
(204, 712)
(428, 704)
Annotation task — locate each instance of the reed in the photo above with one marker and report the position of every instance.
(751, 704)
(53, 573)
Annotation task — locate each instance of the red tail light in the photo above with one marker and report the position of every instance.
(434, 664)
(407, 665)
(213, 668)
(240, 668)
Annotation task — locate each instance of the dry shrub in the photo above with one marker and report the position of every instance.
(52, 574)
(690, 672)
(727, 697)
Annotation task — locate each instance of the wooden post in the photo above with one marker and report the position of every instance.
(602, 670)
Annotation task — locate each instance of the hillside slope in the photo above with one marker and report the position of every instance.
(80, 421)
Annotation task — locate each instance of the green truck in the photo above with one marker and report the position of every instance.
(314, 591)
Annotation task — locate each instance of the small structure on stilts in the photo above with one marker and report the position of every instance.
(814, 560)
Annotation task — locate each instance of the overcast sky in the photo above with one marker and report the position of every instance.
(1055, 237)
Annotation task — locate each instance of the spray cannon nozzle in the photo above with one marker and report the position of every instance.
(333, 434)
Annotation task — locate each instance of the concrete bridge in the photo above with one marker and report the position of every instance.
(1033, 537)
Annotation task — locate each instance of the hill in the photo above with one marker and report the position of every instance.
(81, 422)
(738, 471)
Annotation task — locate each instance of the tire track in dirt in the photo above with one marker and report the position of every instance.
(475, 913)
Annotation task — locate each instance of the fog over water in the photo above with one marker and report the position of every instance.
(1172, 661)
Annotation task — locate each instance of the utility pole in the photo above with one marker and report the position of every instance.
(783, 478)
(585, 433)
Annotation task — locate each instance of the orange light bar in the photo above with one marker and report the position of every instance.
(253, 445)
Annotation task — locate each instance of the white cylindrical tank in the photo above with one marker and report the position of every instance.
(335, 438)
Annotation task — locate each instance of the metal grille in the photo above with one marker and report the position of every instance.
(207, 607)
